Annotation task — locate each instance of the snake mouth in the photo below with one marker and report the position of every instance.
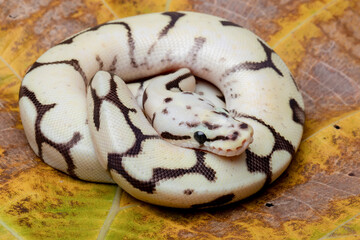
(232, 152)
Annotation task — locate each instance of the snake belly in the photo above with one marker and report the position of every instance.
(257, 86)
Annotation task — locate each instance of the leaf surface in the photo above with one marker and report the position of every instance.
(316, 198)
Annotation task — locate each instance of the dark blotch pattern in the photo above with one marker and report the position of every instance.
(62, 148)
(198, 44)
(188, 191)
(170, 136)
(221, 113)
(159, 174)
(174, 18)
(298, 113)
(165, 111)
(112, 67)
(175, 83)
(144, 99)
(254, 66)
(168, 99)
(114, 99)
(192, 124)
(100, 61)
(257, 163)
(211, 126)
(222, 98)
(74, 63)
(244, 126)
(131, 42)
(228, 23)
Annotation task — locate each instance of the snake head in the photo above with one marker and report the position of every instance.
(186, 119)
(220, 133)
(193, 122)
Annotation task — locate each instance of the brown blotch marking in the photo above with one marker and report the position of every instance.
(256, 163)
(188, 107)
(159, 174)
(223, 138)
(234, 136)
(153, 119)
(168, 135)
(243, 126)
(298, 112)
(211, 105)
(73, 62)
(222, 98)
(175, 83)
(211, 126)
(192, 124)
(228, 23)
(145, 98)
(188, 191)
(254, 66)
(112, 68)
(168, 99)
(221, 113)
(174, 17)
(131, 42)
(199, 43)
(63, 148)
(101, 63)
(165, 111)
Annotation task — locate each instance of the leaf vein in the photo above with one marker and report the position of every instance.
(11, 68)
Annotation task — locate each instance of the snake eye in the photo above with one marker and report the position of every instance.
(200, 137)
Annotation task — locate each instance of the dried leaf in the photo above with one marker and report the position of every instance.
(316, 198)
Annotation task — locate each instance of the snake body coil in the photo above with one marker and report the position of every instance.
(92, 127)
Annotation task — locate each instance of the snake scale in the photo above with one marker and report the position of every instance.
(87, 123)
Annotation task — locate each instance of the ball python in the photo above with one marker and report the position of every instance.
(80, 117)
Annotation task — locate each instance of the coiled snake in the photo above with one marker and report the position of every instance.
(86, 123)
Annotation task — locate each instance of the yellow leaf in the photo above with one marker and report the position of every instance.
(316, 198)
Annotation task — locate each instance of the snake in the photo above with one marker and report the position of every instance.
(180, 109)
